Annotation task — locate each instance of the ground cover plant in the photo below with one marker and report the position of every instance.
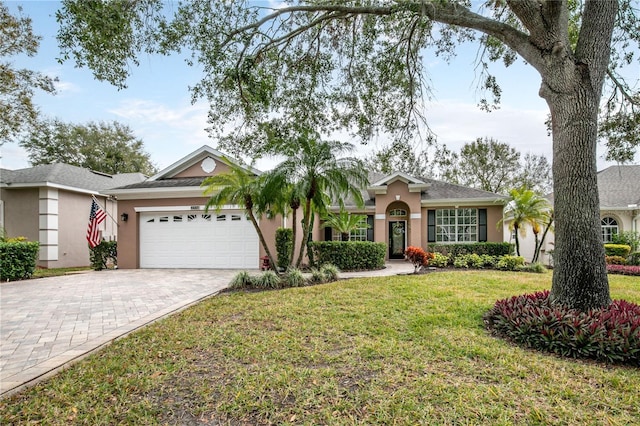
(408, 349)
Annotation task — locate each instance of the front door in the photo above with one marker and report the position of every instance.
(397, 239)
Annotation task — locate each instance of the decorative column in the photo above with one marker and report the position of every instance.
(48, 224)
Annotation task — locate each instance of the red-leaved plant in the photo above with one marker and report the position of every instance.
(624, 269)
(610, 334)
(418, 257)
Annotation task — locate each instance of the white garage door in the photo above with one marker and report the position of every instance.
(198, 240)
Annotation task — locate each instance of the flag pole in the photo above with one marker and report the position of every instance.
(104, 209)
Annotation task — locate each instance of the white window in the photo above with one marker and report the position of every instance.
(609, 228)
(357, 234)
(397, 213)
(456, 225)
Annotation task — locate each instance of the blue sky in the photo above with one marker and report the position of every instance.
(157, 103)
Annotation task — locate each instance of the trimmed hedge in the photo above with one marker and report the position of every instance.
(622, 250)
(284, 246)
(18, 259)
(455, 250)
(350, 255)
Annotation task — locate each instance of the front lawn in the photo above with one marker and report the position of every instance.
(388, 350)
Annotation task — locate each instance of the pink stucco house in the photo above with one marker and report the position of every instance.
(166, 225)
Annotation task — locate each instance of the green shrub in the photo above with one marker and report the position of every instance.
(294, 278)
(615, 260)
(609, 334)
(330, 272)
(536, 268)
(317, 277)
(18, 259)
(629, 238)
(267, 280)
(284, 246)
(439, 260)
(634, 259)
(617, 250)
(461, 261)
(454, 250)
(99, 255)
(241, 280)
(510, 263)
(350, 255)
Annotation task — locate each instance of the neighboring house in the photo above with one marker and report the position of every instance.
(619, 193)
(51, 204)
(167, 226)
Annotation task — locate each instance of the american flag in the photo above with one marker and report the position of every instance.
(96, 217)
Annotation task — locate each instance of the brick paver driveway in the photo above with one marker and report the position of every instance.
(49, 322)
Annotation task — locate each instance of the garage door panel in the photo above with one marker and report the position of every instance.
(190, 240)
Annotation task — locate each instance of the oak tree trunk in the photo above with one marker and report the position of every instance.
(580, 274)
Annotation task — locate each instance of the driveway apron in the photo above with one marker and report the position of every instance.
(48, 323)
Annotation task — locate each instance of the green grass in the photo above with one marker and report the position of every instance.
(389, 350)
(55, 272)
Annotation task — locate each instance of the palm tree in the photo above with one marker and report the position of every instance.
(287, 199)
(240, 187)
(319, 174)
(344, 223)
(547, 223)
(525, 208)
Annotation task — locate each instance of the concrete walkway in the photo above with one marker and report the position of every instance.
(47, 324)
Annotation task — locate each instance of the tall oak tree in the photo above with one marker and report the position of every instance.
(357, 65)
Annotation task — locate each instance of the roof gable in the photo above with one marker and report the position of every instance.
(206, 158)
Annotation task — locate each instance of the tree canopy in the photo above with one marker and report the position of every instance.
(17, 86)
(484, 164)
(108, 147)
(359, 66)
(495, 166)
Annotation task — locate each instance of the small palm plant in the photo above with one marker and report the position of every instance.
(345, 222)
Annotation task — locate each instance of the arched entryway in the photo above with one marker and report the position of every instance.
(397, 229)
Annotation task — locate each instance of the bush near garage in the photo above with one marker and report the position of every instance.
(19, 258)
(610, 334)
(454, 250)
(350, 255)
(100, 255)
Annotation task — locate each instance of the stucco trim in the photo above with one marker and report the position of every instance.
(48, 185)
(462, 202)
(149, 193)
(181, 208)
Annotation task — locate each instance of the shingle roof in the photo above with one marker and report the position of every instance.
(67, 175)
(166, 183)
(619, 186)
(439, 190)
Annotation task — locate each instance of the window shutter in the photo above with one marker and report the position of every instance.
(328, 234)
(482, 225)
(370, 228)
(431, 226)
